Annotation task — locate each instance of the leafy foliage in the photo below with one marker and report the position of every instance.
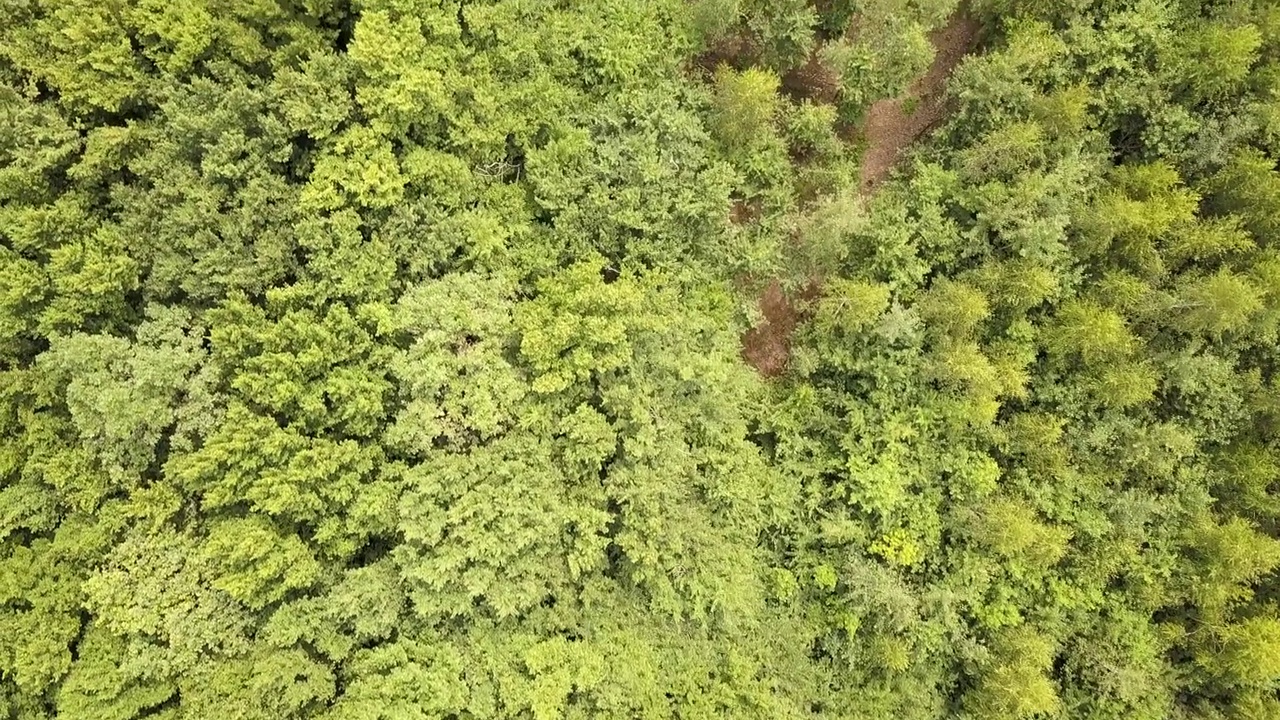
(384, 360)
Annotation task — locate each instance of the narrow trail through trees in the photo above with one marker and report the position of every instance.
(890, 127)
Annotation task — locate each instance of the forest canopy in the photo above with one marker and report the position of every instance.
(661, 359)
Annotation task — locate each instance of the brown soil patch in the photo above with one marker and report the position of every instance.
(892, 125)
(737, 49)
(814, 80)
(743, 212)
(767, 346)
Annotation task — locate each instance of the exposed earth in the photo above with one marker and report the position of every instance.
(891, 125)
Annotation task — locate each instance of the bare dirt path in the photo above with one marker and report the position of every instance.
(892, 125)
(888, 130)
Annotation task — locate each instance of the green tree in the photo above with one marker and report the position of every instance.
(1247, 652)
(1227, 559)
(1210, 60)
(744, 108)
(1014, 684)
(1011, 529)
(953, 310)
(1093, 333)
(1216, 304)
(1249, 186)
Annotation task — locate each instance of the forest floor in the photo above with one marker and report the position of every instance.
(890, 127)
(767, 346)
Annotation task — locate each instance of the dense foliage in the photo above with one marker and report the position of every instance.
(381, 359)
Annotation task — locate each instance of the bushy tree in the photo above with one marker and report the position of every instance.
(745, 107)
(1014, 684)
